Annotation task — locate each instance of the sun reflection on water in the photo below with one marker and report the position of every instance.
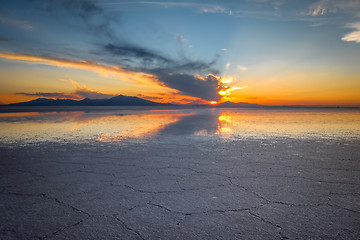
(117, 126)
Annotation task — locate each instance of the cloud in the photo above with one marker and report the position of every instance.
(81, 92)
(126, 51)
(89, 65)
(353, 36)
(154, 62)
(89, 11)
(242, 68)
(84, 92)
(180, 38)
(3, 39)
(48, 95)
(323, 7)
(201, 7)
(227, 91)
(187, 66)
(319, 10)
(227, 65)
(151, 98)
(202, 87)
(16, 23)
(214, 9)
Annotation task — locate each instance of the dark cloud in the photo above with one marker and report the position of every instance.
(86, 93)
(47, 94)
(148, 97)
(131, 51)
(206, 88)
(89, 11)
(176, 74)
(83, 8)
(78, 94)
(3, 39)
(188, 66)
(152, 61)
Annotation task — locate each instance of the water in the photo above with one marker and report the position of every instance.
(181, 174)
(136, 125)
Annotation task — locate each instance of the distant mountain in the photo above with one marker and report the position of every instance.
(120, 100)
(47, 102)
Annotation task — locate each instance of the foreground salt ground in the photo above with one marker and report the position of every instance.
(182, 188)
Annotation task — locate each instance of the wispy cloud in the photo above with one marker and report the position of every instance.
(16, 23)
(322, 7)
(180, 38)
(48, 95)
(201, 7)
(227, 66)
(131, 51)
(353, 36)
(319, 10)
(242, 68)
(81, 92)
(84, 92)
(88, 11)
(89, 65)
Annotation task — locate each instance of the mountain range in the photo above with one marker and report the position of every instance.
(120, 100)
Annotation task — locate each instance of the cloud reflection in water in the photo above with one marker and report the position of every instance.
(120, 125)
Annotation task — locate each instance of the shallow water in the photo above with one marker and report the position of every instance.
(136, 125)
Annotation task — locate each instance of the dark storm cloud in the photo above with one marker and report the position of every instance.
(206, 88)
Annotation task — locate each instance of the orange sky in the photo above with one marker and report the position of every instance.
(73, 77)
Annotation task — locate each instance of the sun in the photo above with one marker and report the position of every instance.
(213, 102)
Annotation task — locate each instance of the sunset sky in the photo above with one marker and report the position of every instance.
(271, 52)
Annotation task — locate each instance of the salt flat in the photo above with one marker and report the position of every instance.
(186, 180)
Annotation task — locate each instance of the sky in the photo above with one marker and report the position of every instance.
(270, 52)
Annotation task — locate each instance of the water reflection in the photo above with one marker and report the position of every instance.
(115, 126)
